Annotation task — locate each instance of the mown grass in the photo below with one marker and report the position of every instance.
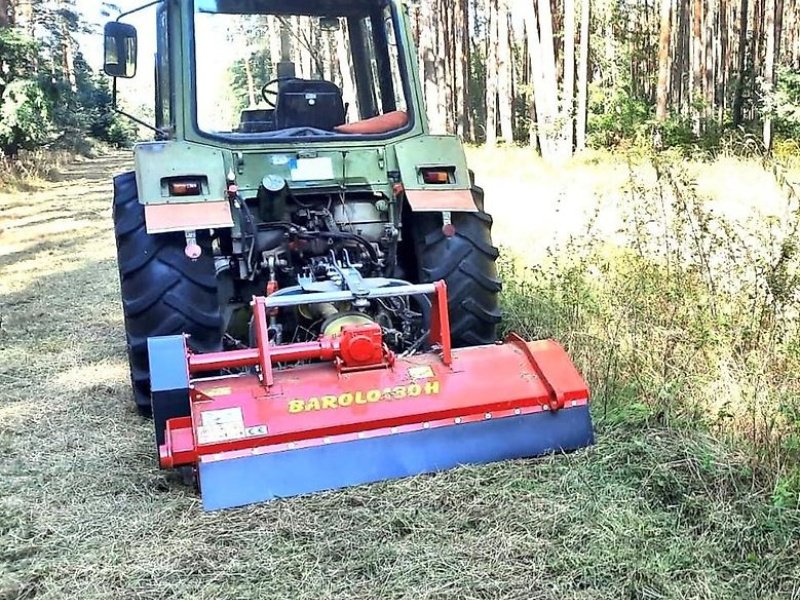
(664, 506)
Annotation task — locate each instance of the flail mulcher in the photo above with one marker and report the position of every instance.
(307, 274)
(352, 411)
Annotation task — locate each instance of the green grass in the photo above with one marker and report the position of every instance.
(664, 506)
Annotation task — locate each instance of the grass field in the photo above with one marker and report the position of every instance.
(657, 509)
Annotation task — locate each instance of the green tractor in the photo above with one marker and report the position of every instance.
(292, 155)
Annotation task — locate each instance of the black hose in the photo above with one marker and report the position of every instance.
(278, 225)
(251, 222)
(295, 229)
(343, 235)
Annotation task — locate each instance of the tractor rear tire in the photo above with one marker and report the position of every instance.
(163, 292)
(466, 262)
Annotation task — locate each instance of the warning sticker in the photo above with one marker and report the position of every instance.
(217, 391)
(420, 372)
(220, 425)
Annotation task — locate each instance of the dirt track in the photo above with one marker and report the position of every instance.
(85, 513)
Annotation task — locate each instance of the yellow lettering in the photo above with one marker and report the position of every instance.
(431, 387)
(399, 392)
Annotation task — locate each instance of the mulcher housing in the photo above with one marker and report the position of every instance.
(362, 414)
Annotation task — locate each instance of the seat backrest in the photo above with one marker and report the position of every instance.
(257, 120)
(309, 103)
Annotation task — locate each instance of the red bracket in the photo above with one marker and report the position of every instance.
(356, 348)
(553, 367)
(440, 322)
(262, 339)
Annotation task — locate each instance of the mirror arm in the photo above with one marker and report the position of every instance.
(159, 132)
(135, 10)
(119, 111)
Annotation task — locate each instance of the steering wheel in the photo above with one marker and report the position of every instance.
(269, 92)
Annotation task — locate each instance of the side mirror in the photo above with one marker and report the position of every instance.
(120, 50)
(329, 23)
(390, 36)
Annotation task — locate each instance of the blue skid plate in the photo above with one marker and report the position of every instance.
(249, 479)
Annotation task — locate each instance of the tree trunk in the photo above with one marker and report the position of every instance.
(568, 106)
(770, 25)
(738, 98)
(721, 52)
(491, 71)
(274, 36)
(663, 61)
(758, 38)
(466, 70)
(549, 98)
(708, 50)
(5, 14)
(537, 80)
(695, 86)
(440, 16)
(505, 73)
(430, 79)
(67, 48)
(348, 79)
(251, 85)
(461, 74)
(583, 75)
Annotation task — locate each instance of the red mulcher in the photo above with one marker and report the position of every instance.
(358, 413)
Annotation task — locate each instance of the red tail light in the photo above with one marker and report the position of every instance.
(438, 175)
(185, 187)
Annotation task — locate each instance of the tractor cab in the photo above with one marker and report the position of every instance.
(250, 71)
(328, 68)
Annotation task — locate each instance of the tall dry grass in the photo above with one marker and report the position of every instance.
(686, 316)
(31, 169)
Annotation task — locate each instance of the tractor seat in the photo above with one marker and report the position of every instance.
(257, 120)
(309, 103)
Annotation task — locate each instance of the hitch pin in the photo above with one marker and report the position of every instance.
(193, 250)
(448, 229)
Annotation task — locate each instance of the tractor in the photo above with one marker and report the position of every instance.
(293, 208)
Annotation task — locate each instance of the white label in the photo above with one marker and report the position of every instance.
(312, 169)
(222, 416)
(420, 372)
(220, 425)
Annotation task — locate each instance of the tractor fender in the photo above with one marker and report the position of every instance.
(434, 173)
(182, 186)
